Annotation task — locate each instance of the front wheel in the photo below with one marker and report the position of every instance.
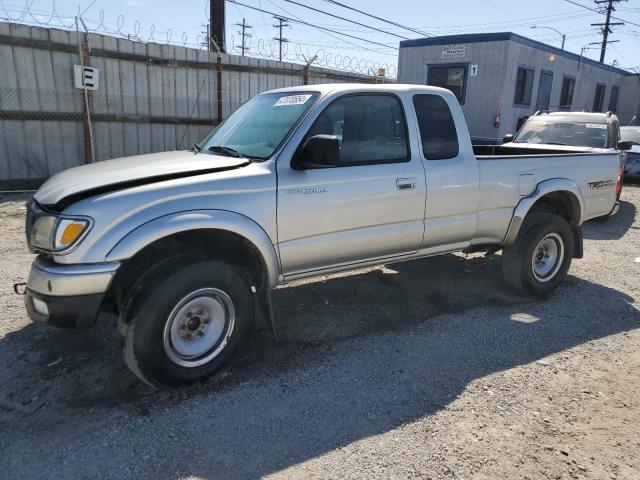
(185, 326)
(540, 258)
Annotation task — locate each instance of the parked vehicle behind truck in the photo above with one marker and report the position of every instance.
(184, 246)
(632, 163)
(573, 129)
(559, 132)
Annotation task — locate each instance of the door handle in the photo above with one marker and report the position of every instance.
(406, 183)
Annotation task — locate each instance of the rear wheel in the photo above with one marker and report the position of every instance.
(539, 259)
(185, 326)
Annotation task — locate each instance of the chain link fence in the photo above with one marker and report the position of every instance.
(149, 98)
(44, 132)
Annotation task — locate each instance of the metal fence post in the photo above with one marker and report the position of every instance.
(219, 87)
(83, 52)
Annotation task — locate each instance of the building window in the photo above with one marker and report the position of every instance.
(437, 127)
(613, 99)
(451, 77)
(524, 86)
(598, 99)
(566, 94)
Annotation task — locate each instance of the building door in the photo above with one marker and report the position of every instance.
(613, 99)
(544, 90)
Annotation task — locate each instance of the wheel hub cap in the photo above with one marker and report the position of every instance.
(547, 257)
(199, 327)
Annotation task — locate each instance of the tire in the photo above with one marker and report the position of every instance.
(548, 237)
(184, 326)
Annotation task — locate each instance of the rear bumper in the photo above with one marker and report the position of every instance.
(67, 296)
(615, 209)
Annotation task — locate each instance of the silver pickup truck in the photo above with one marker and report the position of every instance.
(185, 246)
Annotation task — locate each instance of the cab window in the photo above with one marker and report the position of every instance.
(437, 127)
(370, 129)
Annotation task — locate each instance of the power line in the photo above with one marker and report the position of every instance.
(329, 34)
(583, 6)
(598, 11)
(489, 26)
(346, 19)
(302, 22)
(411, 29)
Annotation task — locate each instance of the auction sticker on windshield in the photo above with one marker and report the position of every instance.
(599, 126)
(292, 100)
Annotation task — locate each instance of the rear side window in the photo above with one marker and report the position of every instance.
(437, 128)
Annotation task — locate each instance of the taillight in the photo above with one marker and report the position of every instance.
(619, 181)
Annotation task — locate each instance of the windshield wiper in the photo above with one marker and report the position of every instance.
(196, 148)
(231, 152)
(554, 143)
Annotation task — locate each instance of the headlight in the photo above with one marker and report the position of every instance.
(42, 231)
(53, 233)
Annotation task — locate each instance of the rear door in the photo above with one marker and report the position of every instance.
(370, 206)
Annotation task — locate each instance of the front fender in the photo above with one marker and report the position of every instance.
(164, 226)
(544, 188)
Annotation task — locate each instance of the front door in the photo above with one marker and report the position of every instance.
(368, 207)
(544, 90)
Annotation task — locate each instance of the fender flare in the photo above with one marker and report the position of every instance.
(178, 222)
(544, 188)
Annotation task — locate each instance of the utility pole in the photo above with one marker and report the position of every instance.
(606, 26)
(207, 37)
(216, 25)
(282, 23)
(244, 35)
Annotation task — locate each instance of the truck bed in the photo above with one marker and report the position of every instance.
(508, 174)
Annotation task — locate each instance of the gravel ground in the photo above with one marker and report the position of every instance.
(423, 369)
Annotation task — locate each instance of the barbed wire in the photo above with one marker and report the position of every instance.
(297, 53)
(292, 51)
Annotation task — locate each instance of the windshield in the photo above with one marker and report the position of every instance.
(259, 126)
(630, 134)
(563, 132)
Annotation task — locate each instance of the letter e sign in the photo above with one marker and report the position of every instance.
(85, 77)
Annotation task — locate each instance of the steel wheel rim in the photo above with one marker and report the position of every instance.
(199, 326)
(547, 257)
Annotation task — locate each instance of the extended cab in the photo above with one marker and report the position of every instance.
(184, 246)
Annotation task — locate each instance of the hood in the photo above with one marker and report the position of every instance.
(130, 171)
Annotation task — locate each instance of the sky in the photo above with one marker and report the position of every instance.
(167, 21)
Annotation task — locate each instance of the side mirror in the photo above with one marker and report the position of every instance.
(507, 138)
(624, 145)
(317, 152)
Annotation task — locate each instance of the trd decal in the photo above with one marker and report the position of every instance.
(601, 184)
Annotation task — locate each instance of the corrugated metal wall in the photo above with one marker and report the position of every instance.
(151, 97)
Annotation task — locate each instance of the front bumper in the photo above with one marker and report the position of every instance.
(67, 296)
